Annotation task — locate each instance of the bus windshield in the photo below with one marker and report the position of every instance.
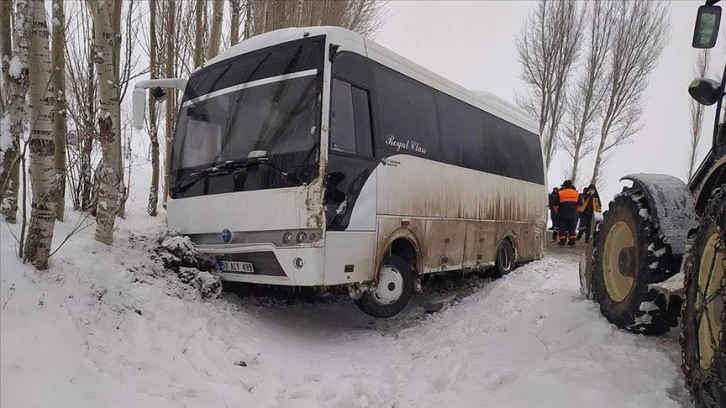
(267, 102)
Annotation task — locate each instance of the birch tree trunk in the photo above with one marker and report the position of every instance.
(9, 206)
(169, 123)
(12, 127)
(236, 9)
(215, 37)
(249, 18)
(88, 137)
(59, 120)
(109, 177)
(6, 48)
(199, 30)
(153, 129)
(44, 182)
(118, 159)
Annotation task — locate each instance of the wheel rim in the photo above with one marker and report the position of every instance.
(619, 261)
(709, 302)
(390, 285)
(504, 259)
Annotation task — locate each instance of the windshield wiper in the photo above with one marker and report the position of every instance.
(266, 161)
(230, 166)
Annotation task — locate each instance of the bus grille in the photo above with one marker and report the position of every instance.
(264, 262)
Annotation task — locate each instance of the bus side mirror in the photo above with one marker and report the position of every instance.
(139, 108)
(707, 24)
(704, 91)
(333, 51)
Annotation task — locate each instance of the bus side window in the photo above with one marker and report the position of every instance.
(350, 120)
(362, 115)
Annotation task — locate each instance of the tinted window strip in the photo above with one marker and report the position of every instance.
(509, 141)
(251, 84)
(258, 64)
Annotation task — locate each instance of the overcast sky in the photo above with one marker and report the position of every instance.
(473, 44)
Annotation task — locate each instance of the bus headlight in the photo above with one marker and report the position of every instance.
(287, 237)
(301, 237)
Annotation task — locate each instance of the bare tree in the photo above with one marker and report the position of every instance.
(58, 63)
(82, 105)
(42, 144)
(215, 37)
(640, 32)
(587, 94)
(130, 21)
(12, 123)
(547, 49)
(700, 70)
(361, 16)
(174, 57)
(189, 45)
(109, 178)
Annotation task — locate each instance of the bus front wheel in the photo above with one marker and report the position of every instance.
(394, 289)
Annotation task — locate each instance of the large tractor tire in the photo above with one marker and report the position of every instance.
(704, 316)
(630, 256)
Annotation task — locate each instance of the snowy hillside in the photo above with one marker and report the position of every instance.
(109, 327)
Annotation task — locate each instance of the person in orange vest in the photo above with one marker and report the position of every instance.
(590, 205)
(568, 201)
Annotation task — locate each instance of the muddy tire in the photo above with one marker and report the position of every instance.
(504, 262)
(395, 287)
(704, 316)
(630, 255)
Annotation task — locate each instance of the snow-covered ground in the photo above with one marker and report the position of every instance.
(107, 327)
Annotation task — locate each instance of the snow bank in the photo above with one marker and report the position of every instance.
(138, 324)
(111, 328)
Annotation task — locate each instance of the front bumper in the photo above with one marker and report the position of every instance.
(273, 265)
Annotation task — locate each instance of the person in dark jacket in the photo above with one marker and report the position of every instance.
(568, 201)
(553, 211)
(580, 224)
(589, 206)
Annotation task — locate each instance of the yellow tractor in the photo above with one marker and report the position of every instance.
(658, 258)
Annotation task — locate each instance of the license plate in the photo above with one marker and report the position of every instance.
(236, 267)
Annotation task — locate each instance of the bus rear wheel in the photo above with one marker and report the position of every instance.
(394, 289)
(504, 262)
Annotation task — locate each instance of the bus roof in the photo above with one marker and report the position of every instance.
(351, 41)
